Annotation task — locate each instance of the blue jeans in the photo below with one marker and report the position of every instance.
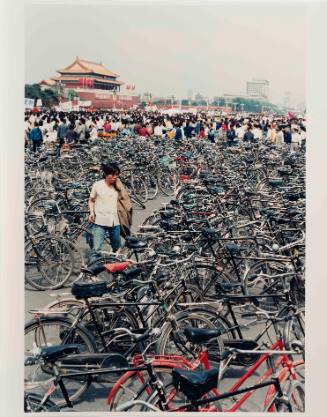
(99, 233)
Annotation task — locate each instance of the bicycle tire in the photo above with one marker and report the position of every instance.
(152, 186)
(36, 330)
(32, 404)
(42, 264)
(287, 380)
(294, 330)
(129, 385)
(296, 397)
(139, 189)
(172, 341)
(167, 184)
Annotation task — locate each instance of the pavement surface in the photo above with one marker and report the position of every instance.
(95, 398)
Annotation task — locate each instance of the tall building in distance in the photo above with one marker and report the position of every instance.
(287, 98)
(257, 88)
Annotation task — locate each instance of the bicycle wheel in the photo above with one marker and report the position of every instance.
(294, 330)
(151, 220)
(132, 386)
(49, 331)
(152, 186)
(32, 404)
(108, 318)
(206, 276)
(167, 183)
(296, 396)
(257, 284)
(173, 341)
(49, 262)
(289, 384)
(139, 204)
(139, 188)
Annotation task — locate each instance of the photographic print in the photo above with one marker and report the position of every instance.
(165, 207)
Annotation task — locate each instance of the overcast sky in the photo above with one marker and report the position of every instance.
(169, 49)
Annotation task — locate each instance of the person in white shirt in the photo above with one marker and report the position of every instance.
(93, 132)
(257, 133)
(279, 139)
(100, 123)
(295, 140)
(157, 130)
(239, 132)
(32, 120)
(104, 199)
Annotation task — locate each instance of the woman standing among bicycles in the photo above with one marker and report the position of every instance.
(110, 210)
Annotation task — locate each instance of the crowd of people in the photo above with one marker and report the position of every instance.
(49, 126)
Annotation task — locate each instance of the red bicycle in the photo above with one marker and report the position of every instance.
(171, 383)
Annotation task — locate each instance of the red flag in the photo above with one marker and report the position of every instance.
(290, 115)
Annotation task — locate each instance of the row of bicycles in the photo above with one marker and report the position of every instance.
(203, 307)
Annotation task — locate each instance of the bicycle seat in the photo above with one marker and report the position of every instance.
(284, 171)
(215, 190)
(233, 248)
(280, 220)
(294, 196)
(132, 242)
(170, 225)
(267, 212)
(52, 353)
(195, 384)
(174, 202)
(187, 237)
(210, 232)
(167, 214)
(199, 336)
(116, 267)
(85, 289)
(188, 207)
(132, 273)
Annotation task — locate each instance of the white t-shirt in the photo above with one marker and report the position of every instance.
(158, 131)
(93, 133)
(240, 132)
(105, 207)
(296, 138)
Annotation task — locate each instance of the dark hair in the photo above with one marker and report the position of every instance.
(110, 168)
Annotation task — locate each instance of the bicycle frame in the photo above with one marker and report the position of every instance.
(283, 362)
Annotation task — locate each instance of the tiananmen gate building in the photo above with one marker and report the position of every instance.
(94, 83)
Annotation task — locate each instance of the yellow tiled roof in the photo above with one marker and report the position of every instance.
(86, 67)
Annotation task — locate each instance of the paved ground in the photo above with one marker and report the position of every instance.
(95, 398)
